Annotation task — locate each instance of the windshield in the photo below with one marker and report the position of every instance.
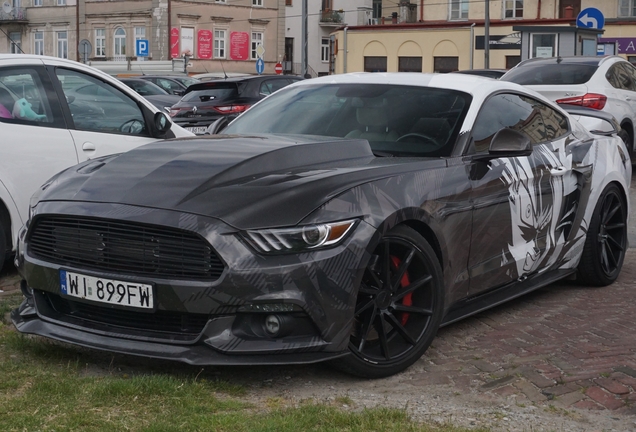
(396, 120)
(551, 74)
(145, 88)
(212, 92)
(187, 81)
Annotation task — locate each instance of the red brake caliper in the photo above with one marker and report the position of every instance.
(408, 299)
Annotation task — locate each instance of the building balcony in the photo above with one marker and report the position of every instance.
(16, 14)
(331, 18)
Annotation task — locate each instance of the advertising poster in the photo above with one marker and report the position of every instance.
(174, 42)
(204, 44)
(187, 41)
(239, 46)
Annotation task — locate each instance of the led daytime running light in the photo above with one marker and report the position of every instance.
(284, 240)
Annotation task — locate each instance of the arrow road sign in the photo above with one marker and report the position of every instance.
(590, 18)
(260, 66)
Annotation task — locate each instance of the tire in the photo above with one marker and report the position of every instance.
(606, 240)
(395, 322)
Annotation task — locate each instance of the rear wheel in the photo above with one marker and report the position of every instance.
(606, 240)
(399, 306)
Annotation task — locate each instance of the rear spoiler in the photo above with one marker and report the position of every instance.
(601, 115)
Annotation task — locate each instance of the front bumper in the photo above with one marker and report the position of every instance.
(320, 286)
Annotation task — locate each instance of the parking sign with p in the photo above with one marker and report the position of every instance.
(141, 47)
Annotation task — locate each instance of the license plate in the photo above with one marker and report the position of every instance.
(108, 291)
(198, 130)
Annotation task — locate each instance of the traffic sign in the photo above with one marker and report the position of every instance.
(260, 66)
(278, 68)
(260, 50)
(590, 18)
(141, 46)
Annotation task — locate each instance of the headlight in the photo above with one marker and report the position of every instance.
(298, 239)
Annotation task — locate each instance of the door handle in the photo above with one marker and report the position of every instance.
(87, 146)
(558, 171)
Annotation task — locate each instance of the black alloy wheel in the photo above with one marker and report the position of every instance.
(399, 306)
(606, 240)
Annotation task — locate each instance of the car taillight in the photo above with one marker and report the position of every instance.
(231, 109)
(174, 111)
(590, 100)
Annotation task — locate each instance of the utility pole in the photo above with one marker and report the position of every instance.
(304, 61)
(487, 35)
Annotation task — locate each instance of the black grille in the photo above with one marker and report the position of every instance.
(187, 325)
(123, 247)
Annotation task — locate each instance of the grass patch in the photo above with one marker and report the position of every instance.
(46, 386)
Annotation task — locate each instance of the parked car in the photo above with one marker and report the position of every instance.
(172, 84)
(208, 101)
(489, 73)
(152, 92)
(602, 83)
(43, 133)
(343, 218)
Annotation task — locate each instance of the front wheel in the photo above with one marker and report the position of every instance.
(399, 306)
(606, 240)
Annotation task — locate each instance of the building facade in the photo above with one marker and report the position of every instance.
(215, 35)
(450, 35)
(323, 17)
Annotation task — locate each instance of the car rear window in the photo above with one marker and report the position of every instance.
(211, 92)
(541, 73)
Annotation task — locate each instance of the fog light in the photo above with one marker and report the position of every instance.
(272, 324)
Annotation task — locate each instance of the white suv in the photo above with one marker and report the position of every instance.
(47, 125)
(602, 83)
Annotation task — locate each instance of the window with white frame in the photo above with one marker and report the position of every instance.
(513, 9)
(140, 33)
(627, 8)
(458, 9)
(100, 42)
(219, 44)
(257, 39)
(16, 42)
(61, 2)
(324, 50)
(38, 43)
(257, 2)
(37, 2)
(62, 44)
(120, 44)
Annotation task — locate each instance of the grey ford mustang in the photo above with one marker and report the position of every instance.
(344, 218)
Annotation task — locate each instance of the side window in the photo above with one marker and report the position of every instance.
(624, 78)
(508, 111)
(556, 124)
(97, 106)
(168, 85)
(631, 72)
(27, 97)
(612, 76)
(269, 87)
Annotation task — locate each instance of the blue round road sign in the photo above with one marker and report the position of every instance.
(260, 66)
(590, 18)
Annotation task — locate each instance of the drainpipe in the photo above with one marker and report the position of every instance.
(344, 57)
(169, 12)
(421, 10)
(77, 30)
(472, 44)
(539, 9)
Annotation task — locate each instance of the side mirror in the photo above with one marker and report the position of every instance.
(507, 143)
(70, 99)
(162, 122)
(178, 92)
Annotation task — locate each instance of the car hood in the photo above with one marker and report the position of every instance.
(246, 181)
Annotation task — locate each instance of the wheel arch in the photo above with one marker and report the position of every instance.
(5, 224)
(429, 235)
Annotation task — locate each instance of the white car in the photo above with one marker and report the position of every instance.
(44, 130)
(601, 83)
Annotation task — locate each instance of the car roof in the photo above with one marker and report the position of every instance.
(472, 84)
(580, 60)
